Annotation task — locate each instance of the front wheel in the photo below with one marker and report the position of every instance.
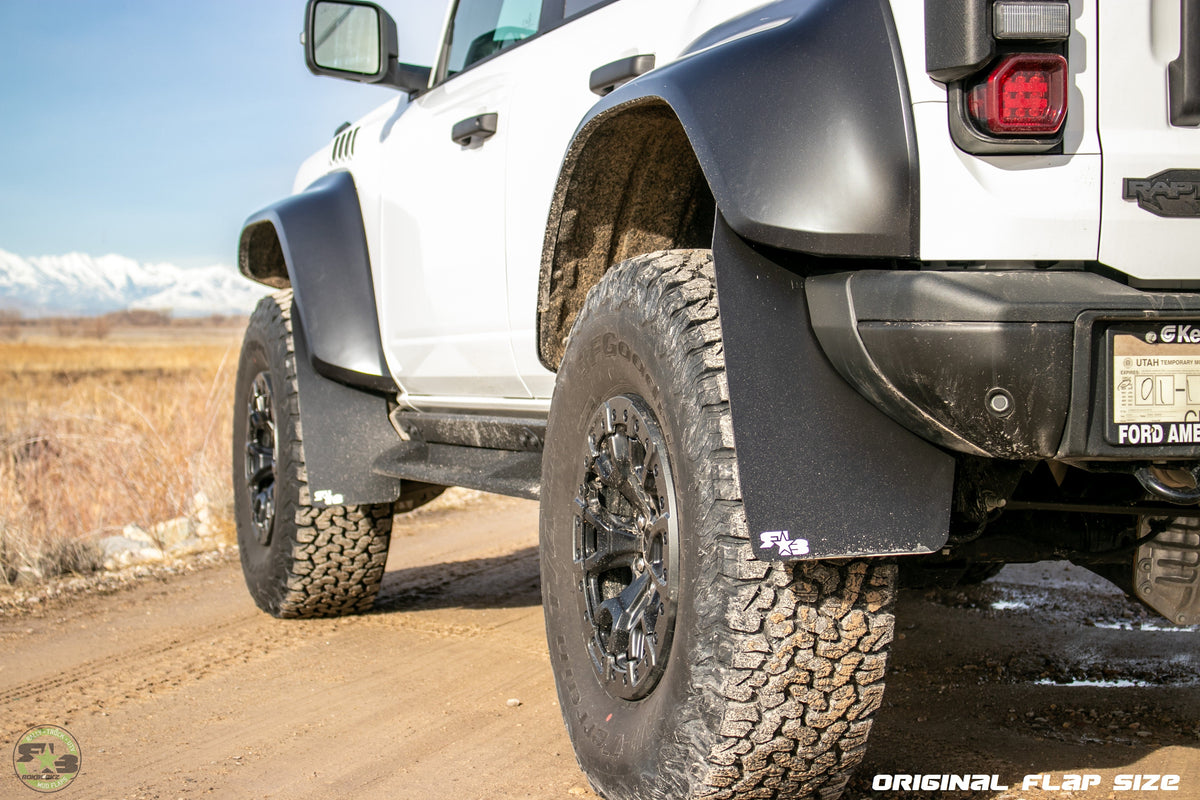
(685, 667)
(299, 560)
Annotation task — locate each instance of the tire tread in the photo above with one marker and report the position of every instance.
(338, 553)
(793, 654)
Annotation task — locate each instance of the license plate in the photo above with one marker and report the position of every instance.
(1155, 385)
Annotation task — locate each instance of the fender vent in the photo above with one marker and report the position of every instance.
(343, 146)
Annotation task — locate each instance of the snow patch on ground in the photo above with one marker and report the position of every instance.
(1009, 605)
(1122, 683)
(1126, 626)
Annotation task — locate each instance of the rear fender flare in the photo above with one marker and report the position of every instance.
(800, 119)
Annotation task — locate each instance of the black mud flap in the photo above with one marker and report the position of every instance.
(345, 429)
(824, 474)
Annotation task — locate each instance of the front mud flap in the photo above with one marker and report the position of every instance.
(824, 474)
(345, 430)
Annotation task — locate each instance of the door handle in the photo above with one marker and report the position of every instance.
(604, 79)
(1184, 72)
(475, 129)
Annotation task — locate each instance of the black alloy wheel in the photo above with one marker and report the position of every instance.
(627, 547)
(260, 457)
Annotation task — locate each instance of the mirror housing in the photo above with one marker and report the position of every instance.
(356, 41)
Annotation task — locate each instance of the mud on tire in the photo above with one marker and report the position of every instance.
(298, 560)
(770, 673)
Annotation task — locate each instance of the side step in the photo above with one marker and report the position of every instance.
(492, 454)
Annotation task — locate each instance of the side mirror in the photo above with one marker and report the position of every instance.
(356, 41)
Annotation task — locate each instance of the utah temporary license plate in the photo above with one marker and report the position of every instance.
(1155, 385)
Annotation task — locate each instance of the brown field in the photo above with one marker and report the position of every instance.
(103, 431)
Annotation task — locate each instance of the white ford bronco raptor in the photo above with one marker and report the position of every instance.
(771, 305)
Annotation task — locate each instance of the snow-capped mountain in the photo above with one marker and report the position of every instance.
(79, 284)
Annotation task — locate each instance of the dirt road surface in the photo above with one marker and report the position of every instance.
(181, 688)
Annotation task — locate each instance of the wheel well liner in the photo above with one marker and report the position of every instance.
(798, 118)
(314, 241)
(634, 187)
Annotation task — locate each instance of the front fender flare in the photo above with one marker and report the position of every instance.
(318, 236)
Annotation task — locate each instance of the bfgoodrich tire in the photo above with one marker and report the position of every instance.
(298, 560)
(686, 668)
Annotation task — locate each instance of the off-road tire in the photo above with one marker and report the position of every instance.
(774, 669)
(317, 562)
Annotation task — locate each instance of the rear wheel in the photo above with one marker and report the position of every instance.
(685, 667)
(299, 560)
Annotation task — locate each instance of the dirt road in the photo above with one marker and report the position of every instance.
(181, 688)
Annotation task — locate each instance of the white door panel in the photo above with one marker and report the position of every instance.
(442, 238)
(547, 108)
(1137, 41)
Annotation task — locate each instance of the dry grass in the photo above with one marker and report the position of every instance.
(98, 434)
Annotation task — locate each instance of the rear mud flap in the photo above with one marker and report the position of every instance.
(824, 474)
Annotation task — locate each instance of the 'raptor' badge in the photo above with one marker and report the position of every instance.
(1170, 193)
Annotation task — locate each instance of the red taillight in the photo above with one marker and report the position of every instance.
(1024, 94)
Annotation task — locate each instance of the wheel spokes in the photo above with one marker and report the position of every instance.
(616, 543)
(259, 474)
(627, 617)
(625, 537)
(616, 469)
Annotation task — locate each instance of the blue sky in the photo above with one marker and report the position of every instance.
(153, 128)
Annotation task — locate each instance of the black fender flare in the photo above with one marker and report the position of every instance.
(315, 242)
(800, 116)
(800, 119)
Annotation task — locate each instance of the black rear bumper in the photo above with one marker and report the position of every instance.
(1005, 364)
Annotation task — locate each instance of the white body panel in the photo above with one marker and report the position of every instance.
(1137, 41)
(1006, 208)
(910, 29)
(540, 128)
(455, 234)
(1003, 208)
(445, 324)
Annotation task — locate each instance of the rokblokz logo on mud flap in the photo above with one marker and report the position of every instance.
(47, 758)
